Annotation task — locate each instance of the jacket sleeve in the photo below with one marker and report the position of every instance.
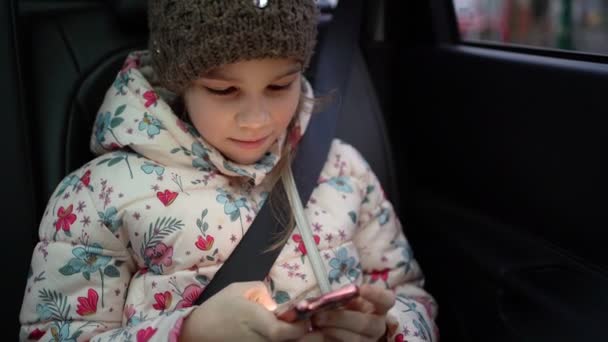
(80, 272)
(387, 260)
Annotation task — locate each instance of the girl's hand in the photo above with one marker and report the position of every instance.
(363, 319)
(240, 312)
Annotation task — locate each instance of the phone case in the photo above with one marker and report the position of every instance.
(304, 309)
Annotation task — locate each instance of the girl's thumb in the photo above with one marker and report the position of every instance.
(254, 291)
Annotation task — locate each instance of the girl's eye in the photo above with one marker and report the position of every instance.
(280, 87)
(222, 92)
(232, 90)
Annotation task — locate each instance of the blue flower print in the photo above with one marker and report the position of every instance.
(281, 297)
(424, 330)
(203, 162)
(121, 82)
(341, 184)
(62, 334)
(109, 219)
(102, 125)
(369, 190)
(406, 253)
(105, 122)
(257, 203)
(44, 312)
(135, 319)
(343, 266)
(71, 180)
(232, 206)
(353, 216)
(239, 171)
(148, 168)
(116, 158)
(383, 216)
(266, 163)
(150, 124)
(193, 132)
(88, 260)
(263, 198)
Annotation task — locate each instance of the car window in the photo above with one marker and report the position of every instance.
(578, 25)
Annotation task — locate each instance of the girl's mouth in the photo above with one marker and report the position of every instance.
(250, 144)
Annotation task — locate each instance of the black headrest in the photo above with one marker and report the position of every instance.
(132, 14)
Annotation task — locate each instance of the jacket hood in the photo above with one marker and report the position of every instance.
(136, 114)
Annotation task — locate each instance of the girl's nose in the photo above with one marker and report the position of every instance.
(255, 115)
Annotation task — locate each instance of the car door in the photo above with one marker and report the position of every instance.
(501, 146)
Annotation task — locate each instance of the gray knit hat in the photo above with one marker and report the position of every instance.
(190, 37)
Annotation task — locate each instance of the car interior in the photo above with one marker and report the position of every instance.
(491, 155)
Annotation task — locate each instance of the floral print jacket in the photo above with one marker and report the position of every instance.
(129, 240)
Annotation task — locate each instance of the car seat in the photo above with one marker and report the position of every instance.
(63, 56)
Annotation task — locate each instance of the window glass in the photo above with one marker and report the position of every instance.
(580, 25)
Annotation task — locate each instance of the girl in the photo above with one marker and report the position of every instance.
(191, 138)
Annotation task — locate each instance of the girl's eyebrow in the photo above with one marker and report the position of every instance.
(218, 75)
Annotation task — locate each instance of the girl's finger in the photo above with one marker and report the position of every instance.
(275, 330)
(335, 334)
(265, 323)
(361, 305)
(316, 336)
(382, 299)
(371, 326)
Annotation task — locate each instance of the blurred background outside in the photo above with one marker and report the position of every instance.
(580, 25)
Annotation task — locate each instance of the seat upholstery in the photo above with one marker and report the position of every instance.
(72, 55)
(17, 191)
(71, 52)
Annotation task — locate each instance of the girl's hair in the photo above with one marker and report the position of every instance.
(278, 201)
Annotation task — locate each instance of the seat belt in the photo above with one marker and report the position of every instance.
(249, 261)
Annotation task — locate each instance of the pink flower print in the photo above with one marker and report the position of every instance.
(130, 63)
(87, 305)
(377, 275)
(143, 335)
(204, 244)
(189, 296)
(114, 146)
(182, 126)
(151, 98)
(159, 254)
(400, 338)
(176, 330)
(65, 218)
(163, 301)
(298, 239)
(36, 334)
(86, 178)
(427, 303)
(129, 311)
(167, 197)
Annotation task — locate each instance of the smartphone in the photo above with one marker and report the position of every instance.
(303, 309)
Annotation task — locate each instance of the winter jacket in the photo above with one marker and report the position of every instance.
(130, 240)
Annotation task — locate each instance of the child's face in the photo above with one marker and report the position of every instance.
(242, 108)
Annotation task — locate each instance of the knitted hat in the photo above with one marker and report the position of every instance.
(191, 37)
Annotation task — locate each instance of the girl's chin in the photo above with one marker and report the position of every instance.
(246, 157)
